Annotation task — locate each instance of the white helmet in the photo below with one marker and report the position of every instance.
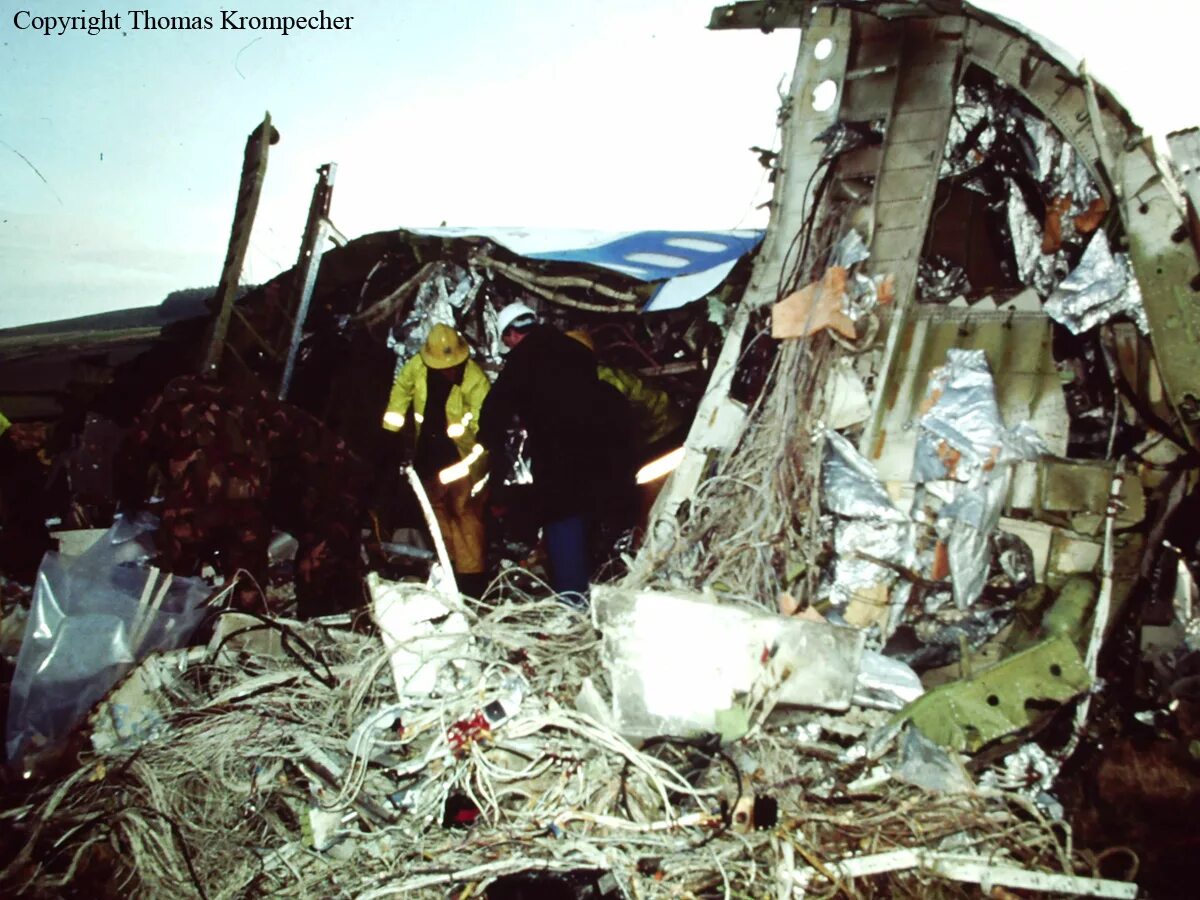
(513, 314)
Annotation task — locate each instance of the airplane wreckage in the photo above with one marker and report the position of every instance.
(913, 615)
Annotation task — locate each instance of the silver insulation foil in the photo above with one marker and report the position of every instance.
(850, 486)
(1031, 771)
(1060, 169)
(862, 291)
(1101, 287)
(850, 250)
(841, 137)
(888, 541)
(869, 523)
(991, 134)
(969, 540)
(885, 683)
(963, 439)
(1039, 270)
(940, 281)
(862, 294)
(973, 118)
(444, 297)
(965, 418)
(966, 524)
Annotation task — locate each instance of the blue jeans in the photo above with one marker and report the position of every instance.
(570, 571)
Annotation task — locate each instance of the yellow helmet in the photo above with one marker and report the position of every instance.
(444, 347)
(583, 337)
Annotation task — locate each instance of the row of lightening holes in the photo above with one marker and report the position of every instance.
(1055, 670)
(825, 93)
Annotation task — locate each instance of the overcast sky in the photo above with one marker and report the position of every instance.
(120, 152)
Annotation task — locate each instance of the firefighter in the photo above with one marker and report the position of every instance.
(656, 419)
(580, 440)
(445, 390)
(659, 427)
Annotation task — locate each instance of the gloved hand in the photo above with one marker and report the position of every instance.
(399, 446)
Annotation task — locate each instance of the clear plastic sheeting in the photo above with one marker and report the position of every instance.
(849, 251)
(885, 683)
(926, 765)
(92, 618)
(1100, 288)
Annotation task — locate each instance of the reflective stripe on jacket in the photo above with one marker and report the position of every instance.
(410, 391)
(654, 414)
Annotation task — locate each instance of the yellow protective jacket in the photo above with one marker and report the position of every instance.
(4, 423)
(410, 391)
(654, 414)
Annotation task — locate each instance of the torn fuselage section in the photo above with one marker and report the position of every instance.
(978, 400)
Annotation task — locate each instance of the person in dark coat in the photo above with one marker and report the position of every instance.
(580, 440)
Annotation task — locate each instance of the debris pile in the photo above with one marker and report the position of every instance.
(921, 588)
(286, 759)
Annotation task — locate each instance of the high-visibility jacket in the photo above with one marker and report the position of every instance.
(654, 414)
(410, 391)
(4, 423)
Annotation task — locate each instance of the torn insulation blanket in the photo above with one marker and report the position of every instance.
(1100, 288)
(963, 440)
(962, 433)
(868, 525)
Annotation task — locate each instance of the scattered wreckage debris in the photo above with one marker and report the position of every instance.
(288, 764)
(920, 589)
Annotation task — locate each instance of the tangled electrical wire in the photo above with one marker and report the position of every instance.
(296, 772)
(748, 527)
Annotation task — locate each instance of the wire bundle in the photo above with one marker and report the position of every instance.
(747, 529)
(495, 773)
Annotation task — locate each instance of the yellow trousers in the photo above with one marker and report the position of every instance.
(460, 516)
